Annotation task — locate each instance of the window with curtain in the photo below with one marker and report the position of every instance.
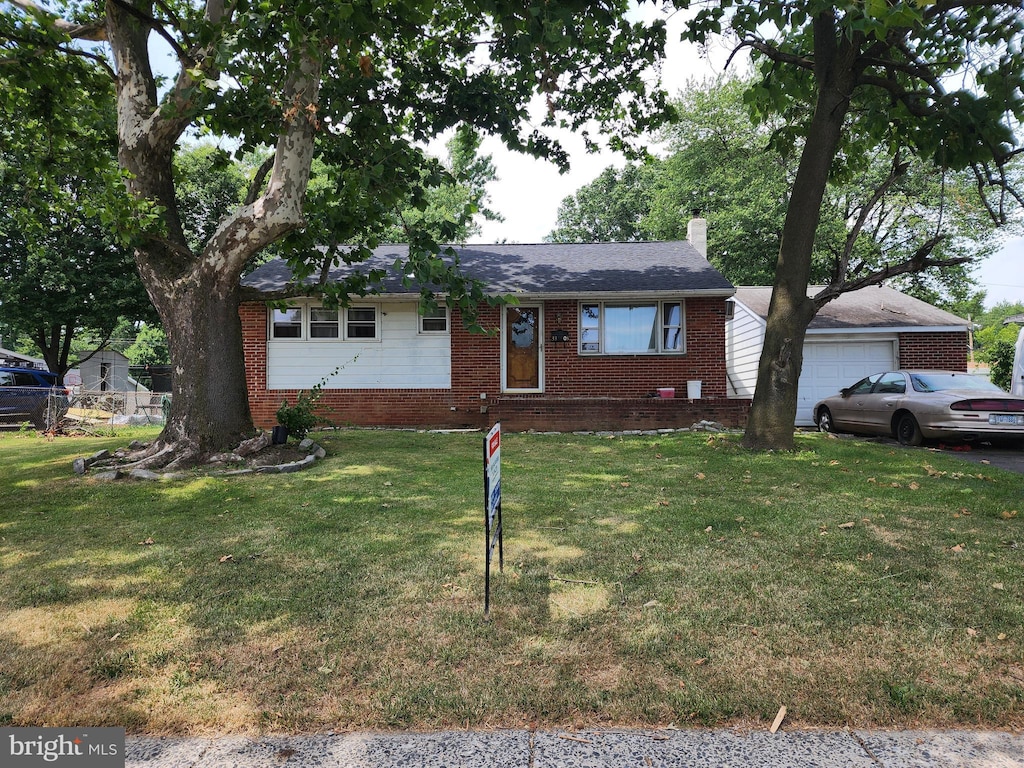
(643, 328)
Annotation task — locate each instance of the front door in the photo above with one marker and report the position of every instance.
(522, 348)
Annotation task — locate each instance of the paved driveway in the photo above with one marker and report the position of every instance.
(1011, 459)
(1004, 458)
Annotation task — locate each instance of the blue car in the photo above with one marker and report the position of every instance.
(28, 394)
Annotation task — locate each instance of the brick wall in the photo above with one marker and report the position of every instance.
(254, 346)
(569, 374)
(944, 351)
(581, 392)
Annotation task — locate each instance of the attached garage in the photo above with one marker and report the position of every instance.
(833, 363)
(860, 333)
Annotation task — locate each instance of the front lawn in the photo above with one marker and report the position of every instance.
(648, 580)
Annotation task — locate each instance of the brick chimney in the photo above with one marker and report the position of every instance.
(697, 233)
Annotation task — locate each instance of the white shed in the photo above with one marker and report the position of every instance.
(106, 371)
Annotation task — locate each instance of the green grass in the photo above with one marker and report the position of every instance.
(648, 580)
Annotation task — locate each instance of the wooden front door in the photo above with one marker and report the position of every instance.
(522, 348)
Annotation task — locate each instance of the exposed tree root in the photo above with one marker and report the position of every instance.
(185, 458)
(155, 455)
(174, 455)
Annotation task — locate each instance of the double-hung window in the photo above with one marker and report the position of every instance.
(642, 328)
(434, 320)
(312, 322)
(361, 323)
(286, 323)
(323, 323)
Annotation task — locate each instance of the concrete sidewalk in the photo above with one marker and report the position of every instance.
(612, 748)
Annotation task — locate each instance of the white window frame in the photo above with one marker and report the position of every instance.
(600, 327)
(272, 323)
(345, 324)
(443, 314)
(348, 322)
(324, 323)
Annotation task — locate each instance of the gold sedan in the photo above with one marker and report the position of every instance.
(913, 406)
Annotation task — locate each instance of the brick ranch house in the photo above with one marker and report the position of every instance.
(598, 330)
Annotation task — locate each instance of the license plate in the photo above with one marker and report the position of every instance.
(1005, 418)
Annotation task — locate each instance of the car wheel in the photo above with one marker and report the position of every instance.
(907, 430)
(47, 414)
(38, 417)
(825, 421)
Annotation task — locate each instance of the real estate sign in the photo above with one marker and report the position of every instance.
(492, 508)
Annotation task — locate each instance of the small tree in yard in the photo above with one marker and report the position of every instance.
(357, 85)
(940, 81)
(1000, 359)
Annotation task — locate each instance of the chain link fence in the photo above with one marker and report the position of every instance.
(39, 407)
(58, 410)
(108, 407)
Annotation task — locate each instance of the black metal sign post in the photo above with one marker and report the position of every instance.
(492, 509)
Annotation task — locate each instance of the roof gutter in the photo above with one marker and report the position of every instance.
(888, 329)
(707, 293)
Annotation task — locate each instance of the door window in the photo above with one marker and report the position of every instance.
(522, 348)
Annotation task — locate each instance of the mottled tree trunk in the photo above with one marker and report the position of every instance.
(209, 401)
(773, 411)
(197, 294)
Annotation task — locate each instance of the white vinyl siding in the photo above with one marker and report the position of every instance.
(744, 338)
(399, 358)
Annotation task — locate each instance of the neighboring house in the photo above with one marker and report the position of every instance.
(10, 357)
(861, 332)
(598, 329)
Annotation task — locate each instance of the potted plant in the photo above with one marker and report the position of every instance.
(298, 419)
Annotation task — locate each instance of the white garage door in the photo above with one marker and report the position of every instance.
(831, 365)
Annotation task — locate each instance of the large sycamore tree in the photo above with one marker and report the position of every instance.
(939, 80)
(361, 85)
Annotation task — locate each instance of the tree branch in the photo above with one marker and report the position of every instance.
(92, 57)
(843, 262)
(258, 179)
(984, 179)
(96, 30)
(916, 263)
(773, 53)
(279, 209)
(157, 25)
(174, 20)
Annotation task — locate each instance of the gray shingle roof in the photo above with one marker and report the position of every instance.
(549, 269)
(872, 307)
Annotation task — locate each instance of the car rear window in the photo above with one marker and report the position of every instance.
(16, 378)
(937, 382)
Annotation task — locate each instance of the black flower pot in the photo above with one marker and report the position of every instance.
(279, 435)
